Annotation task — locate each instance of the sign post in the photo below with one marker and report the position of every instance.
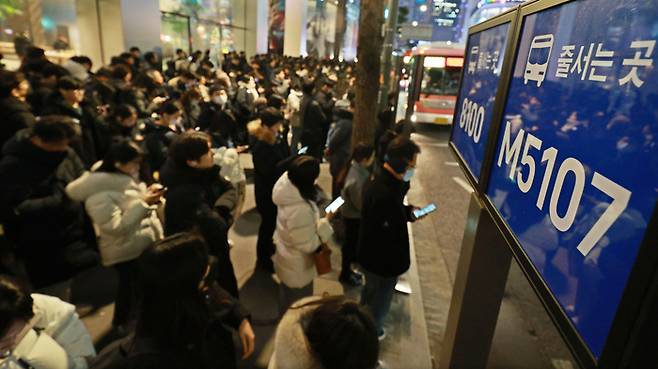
(485, 259)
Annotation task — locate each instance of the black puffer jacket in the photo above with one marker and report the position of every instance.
(37, 214)
(202, 199)
(91, 126)
(383, 247)
(15, 115)
(271, 156)
(156, 141)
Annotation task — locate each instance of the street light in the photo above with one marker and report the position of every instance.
(423, 8)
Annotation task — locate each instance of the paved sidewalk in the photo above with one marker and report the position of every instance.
(405, 347)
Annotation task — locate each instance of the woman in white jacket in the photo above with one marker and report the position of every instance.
(123, 211)
(39, 331)
(299, 229)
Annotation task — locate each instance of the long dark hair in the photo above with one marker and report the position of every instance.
(341, 334)
(303, 172)
(172, 310)
(122, 151)
(15, 303)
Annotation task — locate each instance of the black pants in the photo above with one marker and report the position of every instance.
(265, 245)
(124, 303)
(314, 143)
(349, 245)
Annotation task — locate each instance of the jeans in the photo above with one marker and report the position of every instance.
(377, 295)
(289, 295)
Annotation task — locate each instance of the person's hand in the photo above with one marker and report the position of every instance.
(247, 337)
(154, 194)
(242, 148)
(155, 187)
(158, 100)
(330, 216)
(153, 198)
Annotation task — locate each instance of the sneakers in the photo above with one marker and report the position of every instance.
(353, 279)
(382, 334)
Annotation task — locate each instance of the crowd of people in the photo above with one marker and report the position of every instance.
(136, 166)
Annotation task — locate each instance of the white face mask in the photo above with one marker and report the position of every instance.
(220, 99)
(177, 121)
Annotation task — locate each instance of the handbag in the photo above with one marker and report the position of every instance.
(322, 259)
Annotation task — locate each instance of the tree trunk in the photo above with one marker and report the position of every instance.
(371, 19)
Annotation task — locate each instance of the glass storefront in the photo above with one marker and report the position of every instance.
(50, 24)
(198, 25)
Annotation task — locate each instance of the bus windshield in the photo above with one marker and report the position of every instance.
(439, 79)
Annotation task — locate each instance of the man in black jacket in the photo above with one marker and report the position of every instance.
(47, 228)
(15, 112)
(199, 198)
(271, 155)
(69, 100)
(313, 121)
(383, 249)
(325, 97)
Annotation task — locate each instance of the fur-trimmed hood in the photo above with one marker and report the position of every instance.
(261, 133)
(291, 348)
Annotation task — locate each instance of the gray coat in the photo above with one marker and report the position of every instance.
(352, 192)
(339, 142)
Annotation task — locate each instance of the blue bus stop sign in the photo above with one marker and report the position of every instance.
(483, 63)
(575, 170)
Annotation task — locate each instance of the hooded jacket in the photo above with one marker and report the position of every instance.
(299, 233)
(291, 347)
(270, 157)
(114, 201)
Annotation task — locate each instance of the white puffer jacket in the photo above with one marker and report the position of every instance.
(62, 342)
(299, 232)
(114, 201)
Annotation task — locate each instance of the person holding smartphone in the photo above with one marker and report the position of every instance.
(124, 211)
(383, 249)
